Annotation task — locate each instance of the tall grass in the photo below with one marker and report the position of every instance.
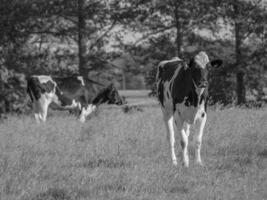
(117, 155)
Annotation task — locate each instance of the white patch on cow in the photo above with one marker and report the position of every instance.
(55, 99)
(162, 63)
(202, 59)
(190, 114)
(86, 111)
(79, 105)
(74, 104)
(200, 111)
(80, 78)
(44, 78)
(41, 106)
(201, 119)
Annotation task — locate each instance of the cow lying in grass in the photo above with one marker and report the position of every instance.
(68, 93)
(182, 91)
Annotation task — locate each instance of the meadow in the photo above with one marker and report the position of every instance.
(118, 155)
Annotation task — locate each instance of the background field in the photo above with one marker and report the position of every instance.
(138, 97)
(118, 155)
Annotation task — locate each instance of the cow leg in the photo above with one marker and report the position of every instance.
(43, 103)
(36, 111)
(183, 128)
(198, 138)
(169, 122)
(83, 115)
(184, 142)
(85, 111)
(44, 109)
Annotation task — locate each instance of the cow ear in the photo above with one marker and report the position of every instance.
(191, 63)
(216, 63)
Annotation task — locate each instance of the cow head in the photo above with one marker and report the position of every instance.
(199, 67)
(109, 95)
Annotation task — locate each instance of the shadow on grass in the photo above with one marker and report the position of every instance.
(53, 194)
(178, 189)
(263, 153)
(105, 163)
(111, 187)
(234, 159)
(235, 163)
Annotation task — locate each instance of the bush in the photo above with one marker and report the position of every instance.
(12, 91)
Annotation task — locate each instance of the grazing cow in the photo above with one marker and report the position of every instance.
(67, 93)
(182, 91)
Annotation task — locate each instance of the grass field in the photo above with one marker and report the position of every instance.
(117, 155)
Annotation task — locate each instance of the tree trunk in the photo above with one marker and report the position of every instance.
(81, 39)
(240, 86)
(179, 36)
(123, 80)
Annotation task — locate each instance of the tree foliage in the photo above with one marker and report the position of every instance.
(70, 36)
(244, 23)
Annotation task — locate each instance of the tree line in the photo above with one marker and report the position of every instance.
(71, 36)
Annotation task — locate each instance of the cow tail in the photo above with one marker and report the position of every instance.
(29, 89)
(160, 71)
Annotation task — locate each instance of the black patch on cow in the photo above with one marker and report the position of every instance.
(71, 88)
(35, 88)
(69, 84)
(191, 99)
(165, 73)
(183, 88)
(64, 99)
(47, 87)
(203, 115)
(160, 93)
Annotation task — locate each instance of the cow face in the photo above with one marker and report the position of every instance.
(200, 77)
(199, 66)
(113, 96)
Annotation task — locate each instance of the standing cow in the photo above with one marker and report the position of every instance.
(182, 91)
(67, 93)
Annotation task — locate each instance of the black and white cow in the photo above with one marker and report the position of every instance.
(182, 91)
(67, 93)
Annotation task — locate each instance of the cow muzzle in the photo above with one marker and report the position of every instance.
(203, 84)
(200, 84)
(200, 88)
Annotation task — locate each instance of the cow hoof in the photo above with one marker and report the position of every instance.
(200, 163)
(174, 162)
(82, 120)
(186, 164)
